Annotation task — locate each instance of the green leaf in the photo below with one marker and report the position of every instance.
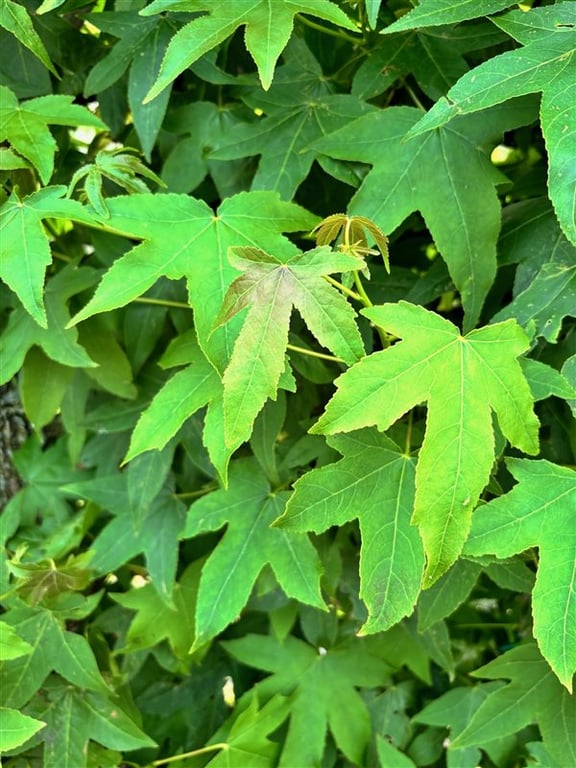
(375, 483)
(184, 238)
(247, 508)
(185, 393)
(432, 13)
(463, 219)
(269, 287)
(25, 250)
(549, 297)
(533, 695)
(53, 649)
(538, 512)
(544, 63)
(463, 379)
(295, 120)
(73, 717)
(322, 686)
(388, 755)
(268, 26)
(546, 381)
(141, 48)
(22, 332)
(247, 743)
(450, 591)
(17, 728)
(11, 644)
(25, 126)
(156, 621)
(15, 19)
(154, 531)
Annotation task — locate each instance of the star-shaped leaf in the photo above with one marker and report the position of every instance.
(300, 108)
(153, 530)
(22, 332)
(545, 62)
(24, 246)
(25, 126)
(53, 649)
(247, 508)
(184, 238)
(269, 287)
(141, 47)
(463, 379)
(432, 13)
(156, 621)
(74, 717)
(463, 218)
(15, 19)
(533, 695)
(375, 483)
(540, 511)
(322, 683)
(549, 297)
(268, 26)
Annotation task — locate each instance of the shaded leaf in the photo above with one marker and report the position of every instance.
(532, 514)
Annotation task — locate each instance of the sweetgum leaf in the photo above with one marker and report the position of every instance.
(268, 26)
(432, 13)
(269, 287)
(539, 512)
(463, 379)
(432, 175)
(545, 62)
(322, 686)
(182, 237)
(247, 508)
(24, 246)
(73, 717)
(533, 695)
(15, 19)
(25, 126)
(375, 483)
(53, 649)
(17, 728)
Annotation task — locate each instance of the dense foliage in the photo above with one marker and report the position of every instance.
(287, 490)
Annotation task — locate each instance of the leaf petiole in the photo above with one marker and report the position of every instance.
(311, 353)
(343, 289)
(193, 753)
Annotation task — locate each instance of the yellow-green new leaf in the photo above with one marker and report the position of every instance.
(463, 379)
(17, 728)
(539, 512)
(270, 287)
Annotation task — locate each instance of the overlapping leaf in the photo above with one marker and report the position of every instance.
(544, 63)
(323, 691)
(25, 126)
(463, 379)
(269, 287)
(15, 19)
(141, 47)
(533, 695)
(24, 246)
(539, 512)
(300, 108)
(268, 26)
(184, 238)
(432, 174)
(375, 483)
(247, 508)
(432, 13)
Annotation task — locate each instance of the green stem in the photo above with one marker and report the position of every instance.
(347, 291)
(194, 494)
(414, 98)
(311, 353)
(340, 34)
(193, 753)
(361, 292)
(162, 303)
